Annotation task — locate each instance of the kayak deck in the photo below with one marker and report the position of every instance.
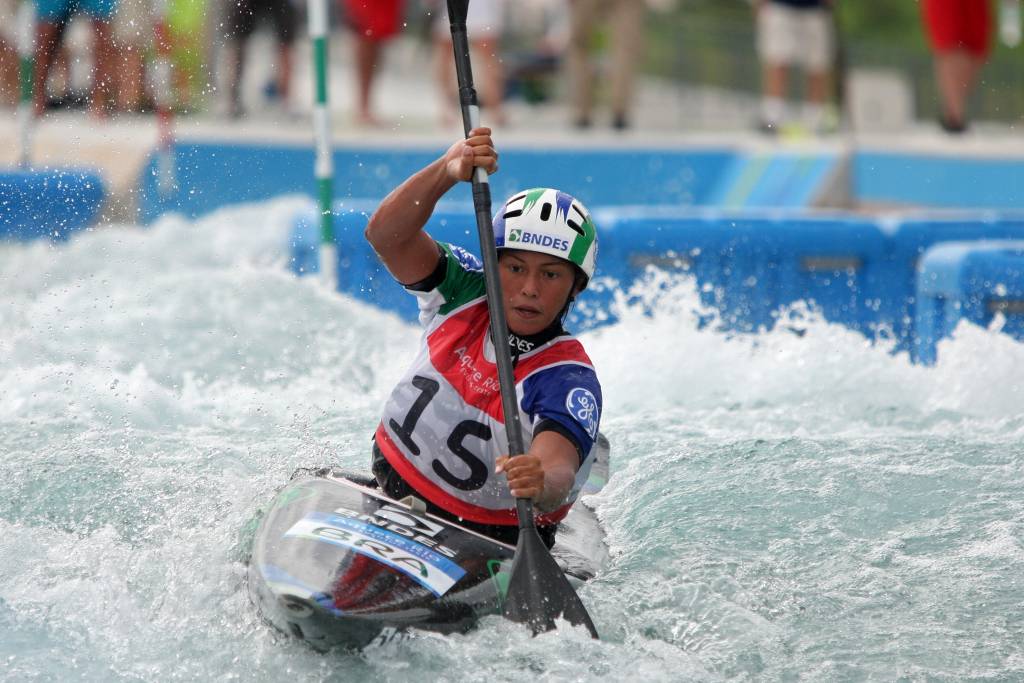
(337, 563)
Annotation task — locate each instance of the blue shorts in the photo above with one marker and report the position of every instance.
(57, 11)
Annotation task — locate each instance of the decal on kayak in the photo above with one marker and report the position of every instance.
(388, 635)
(399, 521)
(430, 569)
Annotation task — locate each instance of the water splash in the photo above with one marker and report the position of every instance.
(795, 503)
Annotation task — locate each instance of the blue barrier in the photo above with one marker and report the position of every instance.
(746, 266)
(954, 182)
(749, 265)
(211, 175)
(834, 262)
(968, 281)
(48, 203)
(719, 252)
(910, 237)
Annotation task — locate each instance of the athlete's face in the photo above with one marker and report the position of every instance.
(535, 287)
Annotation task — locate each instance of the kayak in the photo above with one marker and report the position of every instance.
(337, 563)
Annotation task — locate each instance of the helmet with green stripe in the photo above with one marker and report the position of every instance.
(550, 222)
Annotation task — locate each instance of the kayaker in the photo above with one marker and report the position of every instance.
(442, 436)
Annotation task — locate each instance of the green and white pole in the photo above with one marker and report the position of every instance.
(323, 166)
(26, 24)
(163, 98)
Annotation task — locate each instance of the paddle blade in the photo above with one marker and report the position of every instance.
(538, 592)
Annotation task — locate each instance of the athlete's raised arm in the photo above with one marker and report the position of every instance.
(396, 228)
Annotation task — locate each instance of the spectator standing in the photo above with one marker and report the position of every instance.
(485, 23)
(52, 16)
(624, 19)
(133, 37)
(960, 34)
(242, 17)
(794, 33)
(9, 63)
(373, 23)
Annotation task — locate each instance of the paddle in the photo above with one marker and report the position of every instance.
(538, 591)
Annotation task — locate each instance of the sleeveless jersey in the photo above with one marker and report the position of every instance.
(443, 425)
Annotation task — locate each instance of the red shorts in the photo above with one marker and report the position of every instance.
(959, 25)
(374, 19)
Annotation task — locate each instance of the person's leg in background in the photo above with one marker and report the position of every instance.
(373, 23)
(286, 21)
(818, 39)
(368, 51)
(582, 17)
(10, 86)
(484, 24)
(133, 36)
(51, 16)
(105, 73)
(627, 21)
(960, 32)
(241, 20)
(774, 36)
(492, 83)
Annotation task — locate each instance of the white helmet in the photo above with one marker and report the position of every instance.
(550, 222)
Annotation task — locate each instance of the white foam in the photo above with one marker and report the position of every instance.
(773, 494)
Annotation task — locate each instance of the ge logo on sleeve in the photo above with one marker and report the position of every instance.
(582, 405)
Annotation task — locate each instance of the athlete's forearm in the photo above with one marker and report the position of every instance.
(558, 482)
(396, 228)
(407, 208)
(550, 479)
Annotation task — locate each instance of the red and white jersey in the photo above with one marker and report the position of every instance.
(443, 425)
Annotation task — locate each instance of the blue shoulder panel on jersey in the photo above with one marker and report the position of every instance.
(568, 394)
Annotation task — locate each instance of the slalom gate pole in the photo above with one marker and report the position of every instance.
(25, 22)
(323, 165)
(163, 96)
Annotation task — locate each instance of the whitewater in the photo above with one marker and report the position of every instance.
(800, 504)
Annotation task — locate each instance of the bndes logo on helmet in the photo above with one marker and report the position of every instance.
(526, 237)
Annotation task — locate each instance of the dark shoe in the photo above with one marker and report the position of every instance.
(582, 123)
(952, 126)
(767, 127)
(620, 122)
(235, 110)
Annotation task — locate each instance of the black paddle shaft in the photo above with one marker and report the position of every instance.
(538, 591)
(482, 205)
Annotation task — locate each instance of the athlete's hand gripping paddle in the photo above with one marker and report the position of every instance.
(538, 592)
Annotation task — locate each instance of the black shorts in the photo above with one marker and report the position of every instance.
(244, 14)
(395, 487)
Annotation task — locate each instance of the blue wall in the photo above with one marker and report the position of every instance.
(747, 266)
(690, 210)
(968, 281)
(213, 175)
(939, 181)
(48, 203)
